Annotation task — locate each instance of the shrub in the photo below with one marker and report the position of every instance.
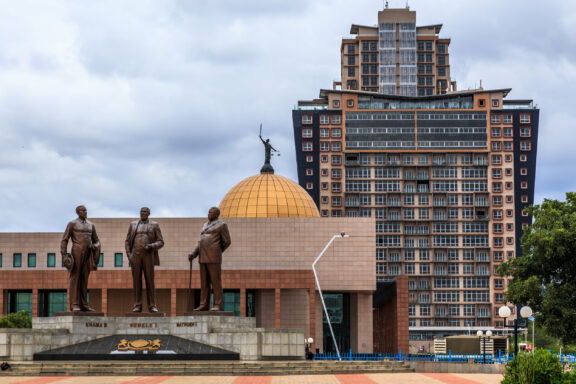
(19, 319)
(540, 367)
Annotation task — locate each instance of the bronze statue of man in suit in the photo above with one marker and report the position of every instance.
(214, 239)
(143, 241)
(85, 255)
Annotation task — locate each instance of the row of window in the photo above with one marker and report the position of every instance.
(440, 255)
(509, 145)
(498, 118)
(324, 119)
(31, 260)
(507, 132)
(324, 132)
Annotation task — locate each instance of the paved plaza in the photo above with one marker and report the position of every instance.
(376, 378)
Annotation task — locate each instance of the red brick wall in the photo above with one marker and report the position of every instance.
(391, 320)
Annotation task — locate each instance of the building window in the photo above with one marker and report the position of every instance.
(498, 256)
(335, 104)
(524, 118)
(336, 159)
(118, 260)
(51, 260)
(525, 145)
(17, 260)
(525, 132)
(496, 173)
(507, 132)
(523, 171)
(495, 132)
(307, 132)
(497, 200)
(101, 261)
(336, 187)
(508, 146)
(336, 201)
(336, 146)
(508, 185)
(496, 146)
(523, 158)
(495, 103)
(350, 103)
(31, 260)
(306, 119)
(336, 132)
(508, 171)
(324, 185)
(509, 213)
(309, 172)
(0, 260)
(509, 198)
(335, 119)
(309, 159)
(324, 172)
(336, 213)
(324, 146)
(523, 185)
(507, 118)
(509, 240)
(524, 198)
(309, 185)
(497, 213)
(324, 132)
(482, 102)
(324, 212)
(324, 158)
(307, 146)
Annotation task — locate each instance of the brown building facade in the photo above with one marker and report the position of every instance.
(266, 273)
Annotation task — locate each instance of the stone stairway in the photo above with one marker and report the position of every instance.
(202, 368)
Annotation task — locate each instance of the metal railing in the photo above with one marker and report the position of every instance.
(479, 358)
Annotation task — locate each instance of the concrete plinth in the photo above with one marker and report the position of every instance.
(79, 313)
(236, 334)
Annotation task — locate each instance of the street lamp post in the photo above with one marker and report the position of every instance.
(488, 335)
(505, 312)
(309, 354)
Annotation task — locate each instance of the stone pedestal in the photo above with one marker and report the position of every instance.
(229, 333)
(209, 313)
(145, 314)
(79, 313)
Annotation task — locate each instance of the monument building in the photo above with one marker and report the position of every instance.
(446, 175)
(276, 234)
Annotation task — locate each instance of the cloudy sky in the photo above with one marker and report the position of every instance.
(119, 104)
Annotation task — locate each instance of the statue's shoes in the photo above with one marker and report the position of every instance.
(137, 309)
(153, 309)
(76, 309)
(216, 309)
(198, 309)
(88, 309)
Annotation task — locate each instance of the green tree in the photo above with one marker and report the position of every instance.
(545, 276)
(19, 319)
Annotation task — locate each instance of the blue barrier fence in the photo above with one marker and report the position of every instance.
(498, 358)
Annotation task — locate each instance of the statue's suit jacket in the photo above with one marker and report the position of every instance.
(154, 234)
(214, 240)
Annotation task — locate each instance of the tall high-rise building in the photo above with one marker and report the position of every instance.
(447, 178)
(395, 57)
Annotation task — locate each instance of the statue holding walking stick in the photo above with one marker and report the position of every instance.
(214, 239)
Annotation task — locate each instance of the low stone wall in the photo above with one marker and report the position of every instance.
(439, 367)
(235, 334)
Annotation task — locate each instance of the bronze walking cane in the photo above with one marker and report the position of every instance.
(188, 306)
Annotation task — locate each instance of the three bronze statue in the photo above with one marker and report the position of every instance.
(143, 241)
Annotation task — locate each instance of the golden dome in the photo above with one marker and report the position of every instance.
(267, 195)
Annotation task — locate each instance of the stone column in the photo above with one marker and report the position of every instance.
(277, 322)
(2, 293)
(242, 302)
(312, 314)
(173, 301)
(105, 301)
(35, 302)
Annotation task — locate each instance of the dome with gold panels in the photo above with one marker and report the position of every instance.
(267, 195)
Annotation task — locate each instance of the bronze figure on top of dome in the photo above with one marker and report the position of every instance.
(268, 148)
